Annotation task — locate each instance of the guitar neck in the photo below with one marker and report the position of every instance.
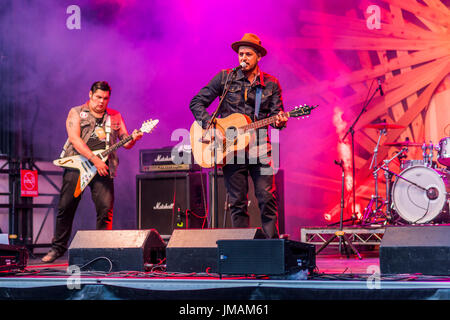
(117, 145)
(262, 123)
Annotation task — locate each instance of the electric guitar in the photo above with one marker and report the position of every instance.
(231, 134)
(86, 168)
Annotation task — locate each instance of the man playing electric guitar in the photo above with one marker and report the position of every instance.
(257, 95)
(91, 126)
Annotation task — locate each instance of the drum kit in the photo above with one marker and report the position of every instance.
(419, 193)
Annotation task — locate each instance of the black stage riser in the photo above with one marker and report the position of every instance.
(196, 250)
(265, 257)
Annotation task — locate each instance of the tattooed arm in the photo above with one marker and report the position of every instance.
(74, 132)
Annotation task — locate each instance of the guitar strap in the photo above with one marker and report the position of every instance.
(258, 100)
(107, 128)
(63, 152)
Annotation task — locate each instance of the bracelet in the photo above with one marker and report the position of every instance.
(93, 155)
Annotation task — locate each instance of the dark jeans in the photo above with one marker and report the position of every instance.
(236, 183)
(102, 190)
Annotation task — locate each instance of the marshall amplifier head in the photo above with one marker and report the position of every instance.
(178, 158)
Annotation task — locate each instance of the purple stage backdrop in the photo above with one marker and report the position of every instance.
(157, 55)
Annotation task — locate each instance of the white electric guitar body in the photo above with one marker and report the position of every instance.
(87, 168)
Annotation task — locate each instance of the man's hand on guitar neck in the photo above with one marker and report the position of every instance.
(136, 135)
(281, 120)
(102, 168)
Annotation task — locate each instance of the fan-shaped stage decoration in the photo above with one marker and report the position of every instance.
(407, 49)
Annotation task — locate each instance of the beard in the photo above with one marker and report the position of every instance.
(250, 69)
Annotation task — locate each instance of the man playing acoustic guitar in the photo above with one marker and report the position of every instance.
(91, 126)
(257, 95)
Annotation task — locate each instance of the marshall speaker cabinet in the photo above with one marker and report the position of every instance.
(171, 200)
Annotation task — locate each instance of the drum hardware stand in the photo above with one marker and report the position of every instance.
(388, 175)
(375, 198)
(432, 193)
(427, 155)
(343, 238)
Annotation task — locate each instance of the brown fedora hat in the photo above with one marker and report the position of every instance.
(251, 40)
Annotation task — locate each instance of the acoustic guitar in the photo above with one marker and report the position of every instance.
(229, 135)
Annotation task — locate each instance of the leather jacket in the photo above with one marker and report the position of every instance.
(241, 98)
(237, 99)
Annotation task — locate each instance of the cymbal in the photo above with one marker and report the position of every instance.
(383, 125)
(403, 144)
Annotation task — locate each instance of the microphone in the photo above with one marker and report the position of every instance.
(242, 65)
(380, 88)
(339, 163)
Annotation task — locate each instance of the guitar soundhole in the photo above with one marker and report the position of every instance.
(231, 134)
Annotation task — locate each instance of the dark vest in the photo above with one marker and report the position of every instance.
(87, 124)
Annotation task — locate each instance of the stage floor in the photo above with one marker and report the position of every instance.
(337, 277)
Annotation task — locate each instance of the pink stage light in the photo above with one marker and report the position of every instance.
(343, 148)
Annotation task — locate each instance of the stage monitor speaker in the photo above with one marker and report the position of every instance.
(168, 201)
(416, 249)
(195, 250)
(12, 257)
(267, 256)
(116, 250)
(223, 216)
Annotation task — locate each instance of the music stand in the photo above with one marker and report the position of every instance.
(343, 238)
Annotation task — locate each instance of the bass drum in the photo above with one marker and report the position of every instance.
(416, 205)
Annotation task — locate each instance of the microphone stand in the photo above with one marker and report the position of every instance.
(343, 238)
(351, 130)
(212, 125)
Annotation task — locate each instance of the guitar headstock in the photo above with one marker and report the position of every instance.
(147, 126)
(304, 110)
